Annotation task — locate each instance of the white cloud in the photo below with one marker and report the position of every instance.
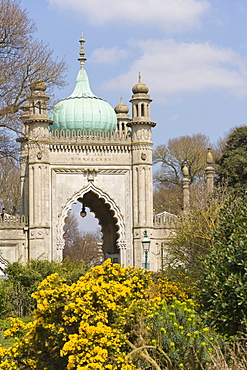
(172, 68)
(170, 15)
(108, 56)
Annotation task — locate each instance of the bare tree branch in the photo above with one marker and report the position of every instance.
(23, 61)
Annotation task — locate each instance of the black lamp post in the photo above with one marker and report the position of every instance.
(146, 245)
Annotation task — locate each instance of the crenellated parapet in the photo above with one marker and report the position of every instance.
(91, 142)
(88, 149)
(84, 135)
(164, 219)
(10, 221)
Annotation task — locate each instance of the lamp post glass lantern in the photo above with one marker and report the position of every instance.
(83, 212)
(146, 245)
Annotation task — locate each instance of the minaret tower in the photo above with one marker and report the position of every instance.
(123, 118)
(142, 145)
(35, 174)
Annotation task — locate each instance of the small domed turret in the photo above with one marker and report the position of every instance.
(140, 88)
(38, 85)
(121, 108)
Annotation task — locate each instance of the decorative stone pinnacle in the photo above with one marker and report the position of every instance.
(209, 170)
(139, 78)
(82, 58)
(209, 157)
(185, 171)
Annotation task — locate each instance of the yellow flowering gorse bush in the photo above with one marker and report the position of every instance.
(87, 325)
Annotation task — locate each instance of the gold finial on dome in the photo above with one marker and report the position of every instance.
(140, 88)
(82, 58)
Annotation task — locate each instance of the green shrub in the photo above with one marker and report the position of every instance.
(179, 337)
(223, 287)
(23, 280)
(3, 300)
(108, 319)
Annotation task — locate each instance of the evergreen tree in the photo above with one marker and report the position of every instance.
(232, 168)
(223, 287)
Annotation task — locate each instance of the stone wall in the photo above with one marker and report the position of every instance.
(13, 239)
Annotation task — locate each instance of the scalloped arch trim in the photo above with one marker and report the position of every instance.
(109, 201)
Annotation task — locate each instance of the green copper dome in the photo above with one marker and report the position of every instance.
(82, 110)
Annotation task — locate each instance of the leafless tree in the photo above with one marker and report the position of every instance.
(23, 61)
(184, 150)
(170, 159)
(167, 199)
(81, 245)
(10, 185)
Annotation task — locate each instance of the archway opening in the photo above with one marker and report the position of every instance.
(98, 226)
(82, 242)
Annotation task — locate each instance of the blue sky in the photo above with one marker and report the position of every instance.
(191, 53)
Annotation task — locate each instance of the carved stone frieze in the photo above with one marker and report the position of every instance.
(38, 152)
(91, 171)
(142, 146)
(89, 149)
(113, 171)
(39, 233)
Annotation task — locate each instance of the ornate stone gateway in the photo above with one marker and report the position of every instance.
(90, 153)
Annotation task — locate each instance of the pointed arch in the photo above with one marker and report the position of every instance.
(118, 218)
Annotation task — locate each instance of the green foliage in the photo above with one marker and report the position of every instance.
(232, 168)
(5, 325)
(108, 319)
(23, 280)
(3, 301)
(81, 325)
(193, 236)
(178, 331)
(223, 287)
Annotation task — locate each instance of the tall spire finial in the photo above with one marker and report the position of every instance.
(140, 79)
(82, 58)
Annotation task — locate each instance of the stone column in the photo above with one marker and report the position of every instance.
(122, 253)
(209, 172)
(186, 189)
